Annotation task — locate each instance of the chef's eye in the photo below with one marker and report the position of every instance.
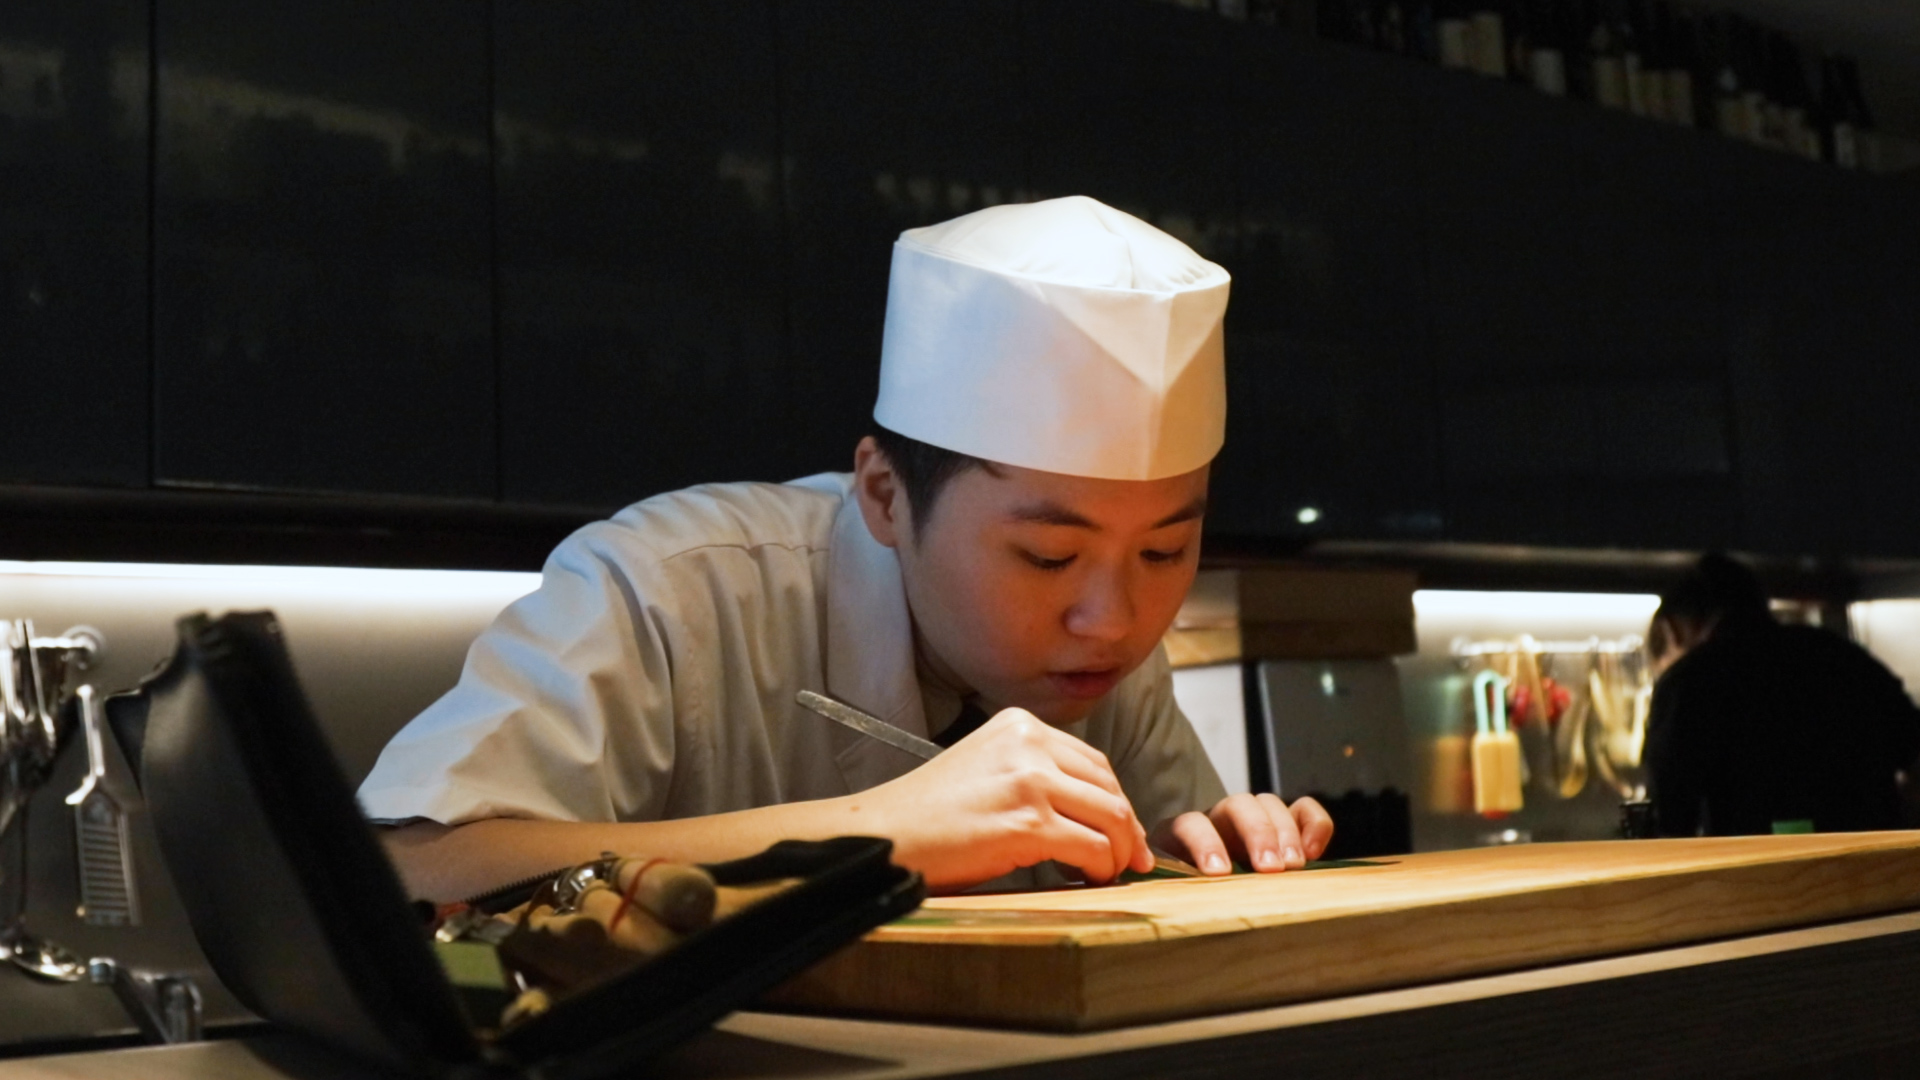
(1173, 556)
(1045, 563)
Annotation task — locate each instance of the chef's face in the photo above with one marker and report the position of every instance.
(1035, 589)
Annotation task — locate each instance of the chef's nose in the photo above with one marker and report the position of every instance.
(1104, 609)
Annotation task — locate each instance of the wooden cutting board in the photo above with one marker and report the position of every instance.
(1102, 957)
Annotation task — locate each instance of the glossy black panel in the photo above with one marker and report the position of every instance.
(1822, 274)
(321, 240)
(1331, 399)
(895, 116)
(1133, 104)
(1574, 303)
(640, 296)
(73, 241)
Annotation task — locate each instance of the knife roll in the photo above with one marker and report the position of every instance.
(586, 925)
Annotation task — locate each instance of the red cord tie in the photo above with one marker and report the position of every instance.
(626, 895)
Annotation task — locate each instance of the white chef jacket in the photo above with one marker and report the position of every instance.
(652, 676)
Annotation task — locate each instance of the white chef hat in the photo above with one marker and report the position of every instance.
(1063, 336)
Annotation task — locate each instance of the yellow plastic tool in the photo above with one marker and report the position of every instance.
(1496, 749)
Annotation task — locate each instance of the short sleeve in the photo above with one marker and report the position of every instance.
(529, 731)
(1159, 759)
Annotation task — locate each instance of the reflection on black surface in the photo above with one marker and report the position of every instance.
(640, 249)
(894, 116)
(1329, 382)
(73, 316)
(322, 248)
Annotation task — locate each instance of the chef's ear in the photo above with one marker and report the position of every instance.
(883, 498)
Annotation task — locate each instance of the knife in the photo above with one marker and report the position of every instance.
(866, 724)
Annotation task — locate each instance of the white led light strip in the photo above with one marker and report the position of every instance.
(305, 578)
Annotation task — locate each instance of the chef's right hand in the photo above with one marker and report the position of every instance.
(1015, 793)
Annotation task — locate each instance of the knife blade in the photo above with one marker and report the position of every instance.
(867, 724)
(841, 713)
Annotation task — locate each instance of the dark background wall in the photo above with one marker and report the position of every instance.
(348, 271)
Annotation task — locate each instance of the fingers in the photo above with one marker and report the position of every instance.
(1202, 843)
(1286, 831)
(1261, 830)
(1247, 825)
(1080, 765)
(1081, 813)
(1315, 825)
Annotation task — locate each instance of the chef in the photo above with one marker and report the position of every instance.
(995, 574)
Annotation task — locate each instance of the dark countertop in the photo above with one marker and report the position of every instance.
(1841, 999)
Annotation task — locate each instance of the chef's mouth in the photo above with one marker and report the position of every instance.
(1084, 684)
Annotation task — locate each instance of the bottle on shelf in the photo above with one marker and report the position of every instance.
(1521, 32)
(1487, 39)
(1574, 19)
(1801, 132)
(1392, 28)
(1330, 21)
(1844, 119)
(1772, 63)
(1609, 74)
(1729, 96)
(1453, 33)
(1422, 43)
(1547, 49)
(1683, 65)
(1750, 56)
(1652, 29)
(1266, 12)
(1632, 44)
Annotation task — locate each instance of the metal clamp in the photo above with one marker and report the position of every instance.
(166, 1007)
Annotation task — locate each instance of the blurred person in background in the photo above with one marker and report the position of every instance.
(1759, 727)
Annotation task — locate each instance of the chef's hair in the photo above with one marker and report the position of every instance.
(924, 470)
(1719, 588)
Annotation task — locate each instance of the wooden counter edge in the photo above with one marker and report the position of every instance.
(1065, 986)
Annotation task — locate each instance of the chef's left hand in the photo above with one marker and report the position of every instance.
(1259, 830)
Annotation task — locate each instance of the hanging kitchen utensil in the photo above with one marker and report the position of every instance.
(107, 896)
(1570, 746)
(1496, 751)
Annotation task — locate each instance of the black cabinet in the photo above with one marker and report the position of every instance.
(641, 299)
(894, 116)
(1132, 104)
(1822, 272)
(1331, 401)
(73, 241)
(575, 254)
(322, 304)
(1573, 292)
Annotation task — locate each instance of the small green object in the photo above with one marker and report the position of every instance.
(1129, 877)
(472, 964)
(1796, 827)
(1158, 873)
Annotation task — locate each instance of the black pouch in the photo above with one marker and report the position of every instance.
(305, 921)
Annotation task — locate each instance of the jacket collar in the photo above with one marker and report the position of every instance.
(869, 648)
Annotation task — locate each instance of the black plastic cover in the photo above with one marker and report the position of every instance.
(303, 918)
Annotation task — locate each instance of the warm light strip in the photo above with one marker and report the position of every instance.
(349, 578)
(1596, 607)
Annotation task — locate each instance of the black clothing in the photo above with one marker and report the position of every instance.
(1764, 723)
(971, 717)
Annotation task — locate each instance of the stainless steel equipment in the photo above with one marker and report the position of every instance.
(39, 714)
(35, 723)
(107, 894)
